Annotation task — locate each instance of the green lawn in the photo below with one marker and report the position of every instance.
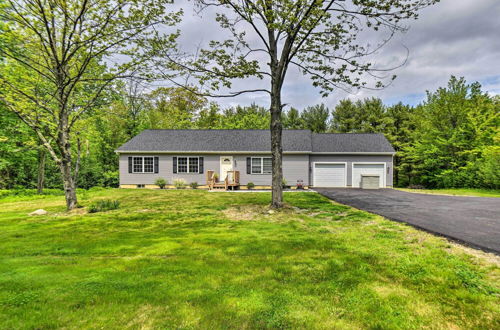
(193, 259)
(457, 191)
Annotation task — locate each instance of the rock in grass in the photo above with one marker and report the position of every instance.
(39, 212)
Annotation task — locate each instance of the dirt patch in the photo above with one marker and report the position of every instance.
(77, 211)
(481, 256)
(245, 212)
(256, 212)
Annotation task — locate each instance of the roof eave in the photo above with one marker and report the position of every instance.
(251, 152)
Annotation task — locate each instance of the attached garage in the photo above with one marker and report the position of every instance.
(329, 174)
(374, 169)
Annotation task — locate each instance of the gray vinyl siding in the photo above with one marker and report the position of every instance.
(349, 159)
(165, 170)
(295, 167)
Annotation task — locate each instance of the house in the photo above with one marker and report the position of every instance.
(243, 156)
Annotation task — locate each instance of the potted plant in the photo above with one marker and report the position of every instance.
(216, 177)
(194, 185)
(300, 184)
(250, 185)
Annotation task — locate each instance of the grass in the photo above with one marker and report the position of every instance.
(457, 192)
(193, 259)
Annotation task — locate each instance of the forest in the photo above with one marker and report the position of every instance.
(450, 140)
(76, 81)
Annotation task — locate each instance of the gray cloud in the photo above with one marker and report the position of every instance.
(454, 37)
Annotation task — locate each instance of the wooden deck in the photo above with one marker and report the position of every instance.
(230, 182)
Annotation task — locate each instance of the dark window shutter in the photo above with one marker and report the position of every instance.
(175, 165)
(200, 165)
(130, 164)
(157, 164)
(249, 165)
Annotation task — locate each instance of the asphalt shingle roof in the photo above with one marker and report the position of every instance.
(252, 140)
(350, 142)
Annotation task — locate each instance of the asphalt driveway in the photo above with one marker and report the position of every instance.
(471, 220)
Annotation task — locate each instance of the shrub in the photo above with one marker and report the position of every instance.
(284, 183)
(111, 179)
(250, 185)
(161, 182)
(104, 205)
(194, 185)
(180, 183)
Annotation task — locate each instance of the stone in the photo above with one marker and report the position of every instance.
(39, 212)
(270, 212)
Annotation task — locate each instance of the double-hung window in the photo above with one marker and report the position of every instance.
(143, 165)
(188, 164)
(262, 165)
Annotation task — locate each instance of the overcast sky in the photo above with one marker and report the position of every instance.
(454, 37)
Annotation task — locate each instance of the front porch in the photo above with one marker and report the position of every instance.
(230, 182)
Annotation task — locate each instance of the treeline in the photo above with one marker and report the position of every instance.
(450, 140)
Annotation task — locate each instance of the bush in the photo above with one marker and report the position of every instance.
(180, 183)
(104, 205)
(284, 183)
(194, 185)
(161, 182)
(111, 179)
(250, 185)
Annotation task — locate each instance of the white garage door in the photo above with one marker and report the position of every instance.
(329, 175)
(372, 169)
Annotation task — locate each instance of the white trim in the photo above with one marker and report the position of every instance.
(314, 169)
(143, 165)
(261, 166)
(252, 152)
(384, 179)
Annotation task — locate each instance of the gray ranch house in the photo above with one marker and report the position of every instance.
(238, 157)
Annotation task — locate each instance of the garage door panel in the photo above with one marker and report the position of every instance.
(329, 175)
(368, 169)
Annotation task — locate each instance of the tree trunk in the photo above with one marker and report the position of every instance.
(276, 149)
(41, 170)
(69, 184)
(65, 164)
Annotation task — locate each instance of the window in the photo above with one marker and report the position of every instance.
(149, 165)
(182, 165)
(143, 165)
(262, 165)
(137, 164)
(193, 164)
(188, 164)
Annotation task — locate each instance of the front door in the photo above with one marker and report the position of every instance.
(226, 164)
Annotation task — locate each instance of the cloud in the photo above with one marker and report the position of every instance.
(453, 37)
